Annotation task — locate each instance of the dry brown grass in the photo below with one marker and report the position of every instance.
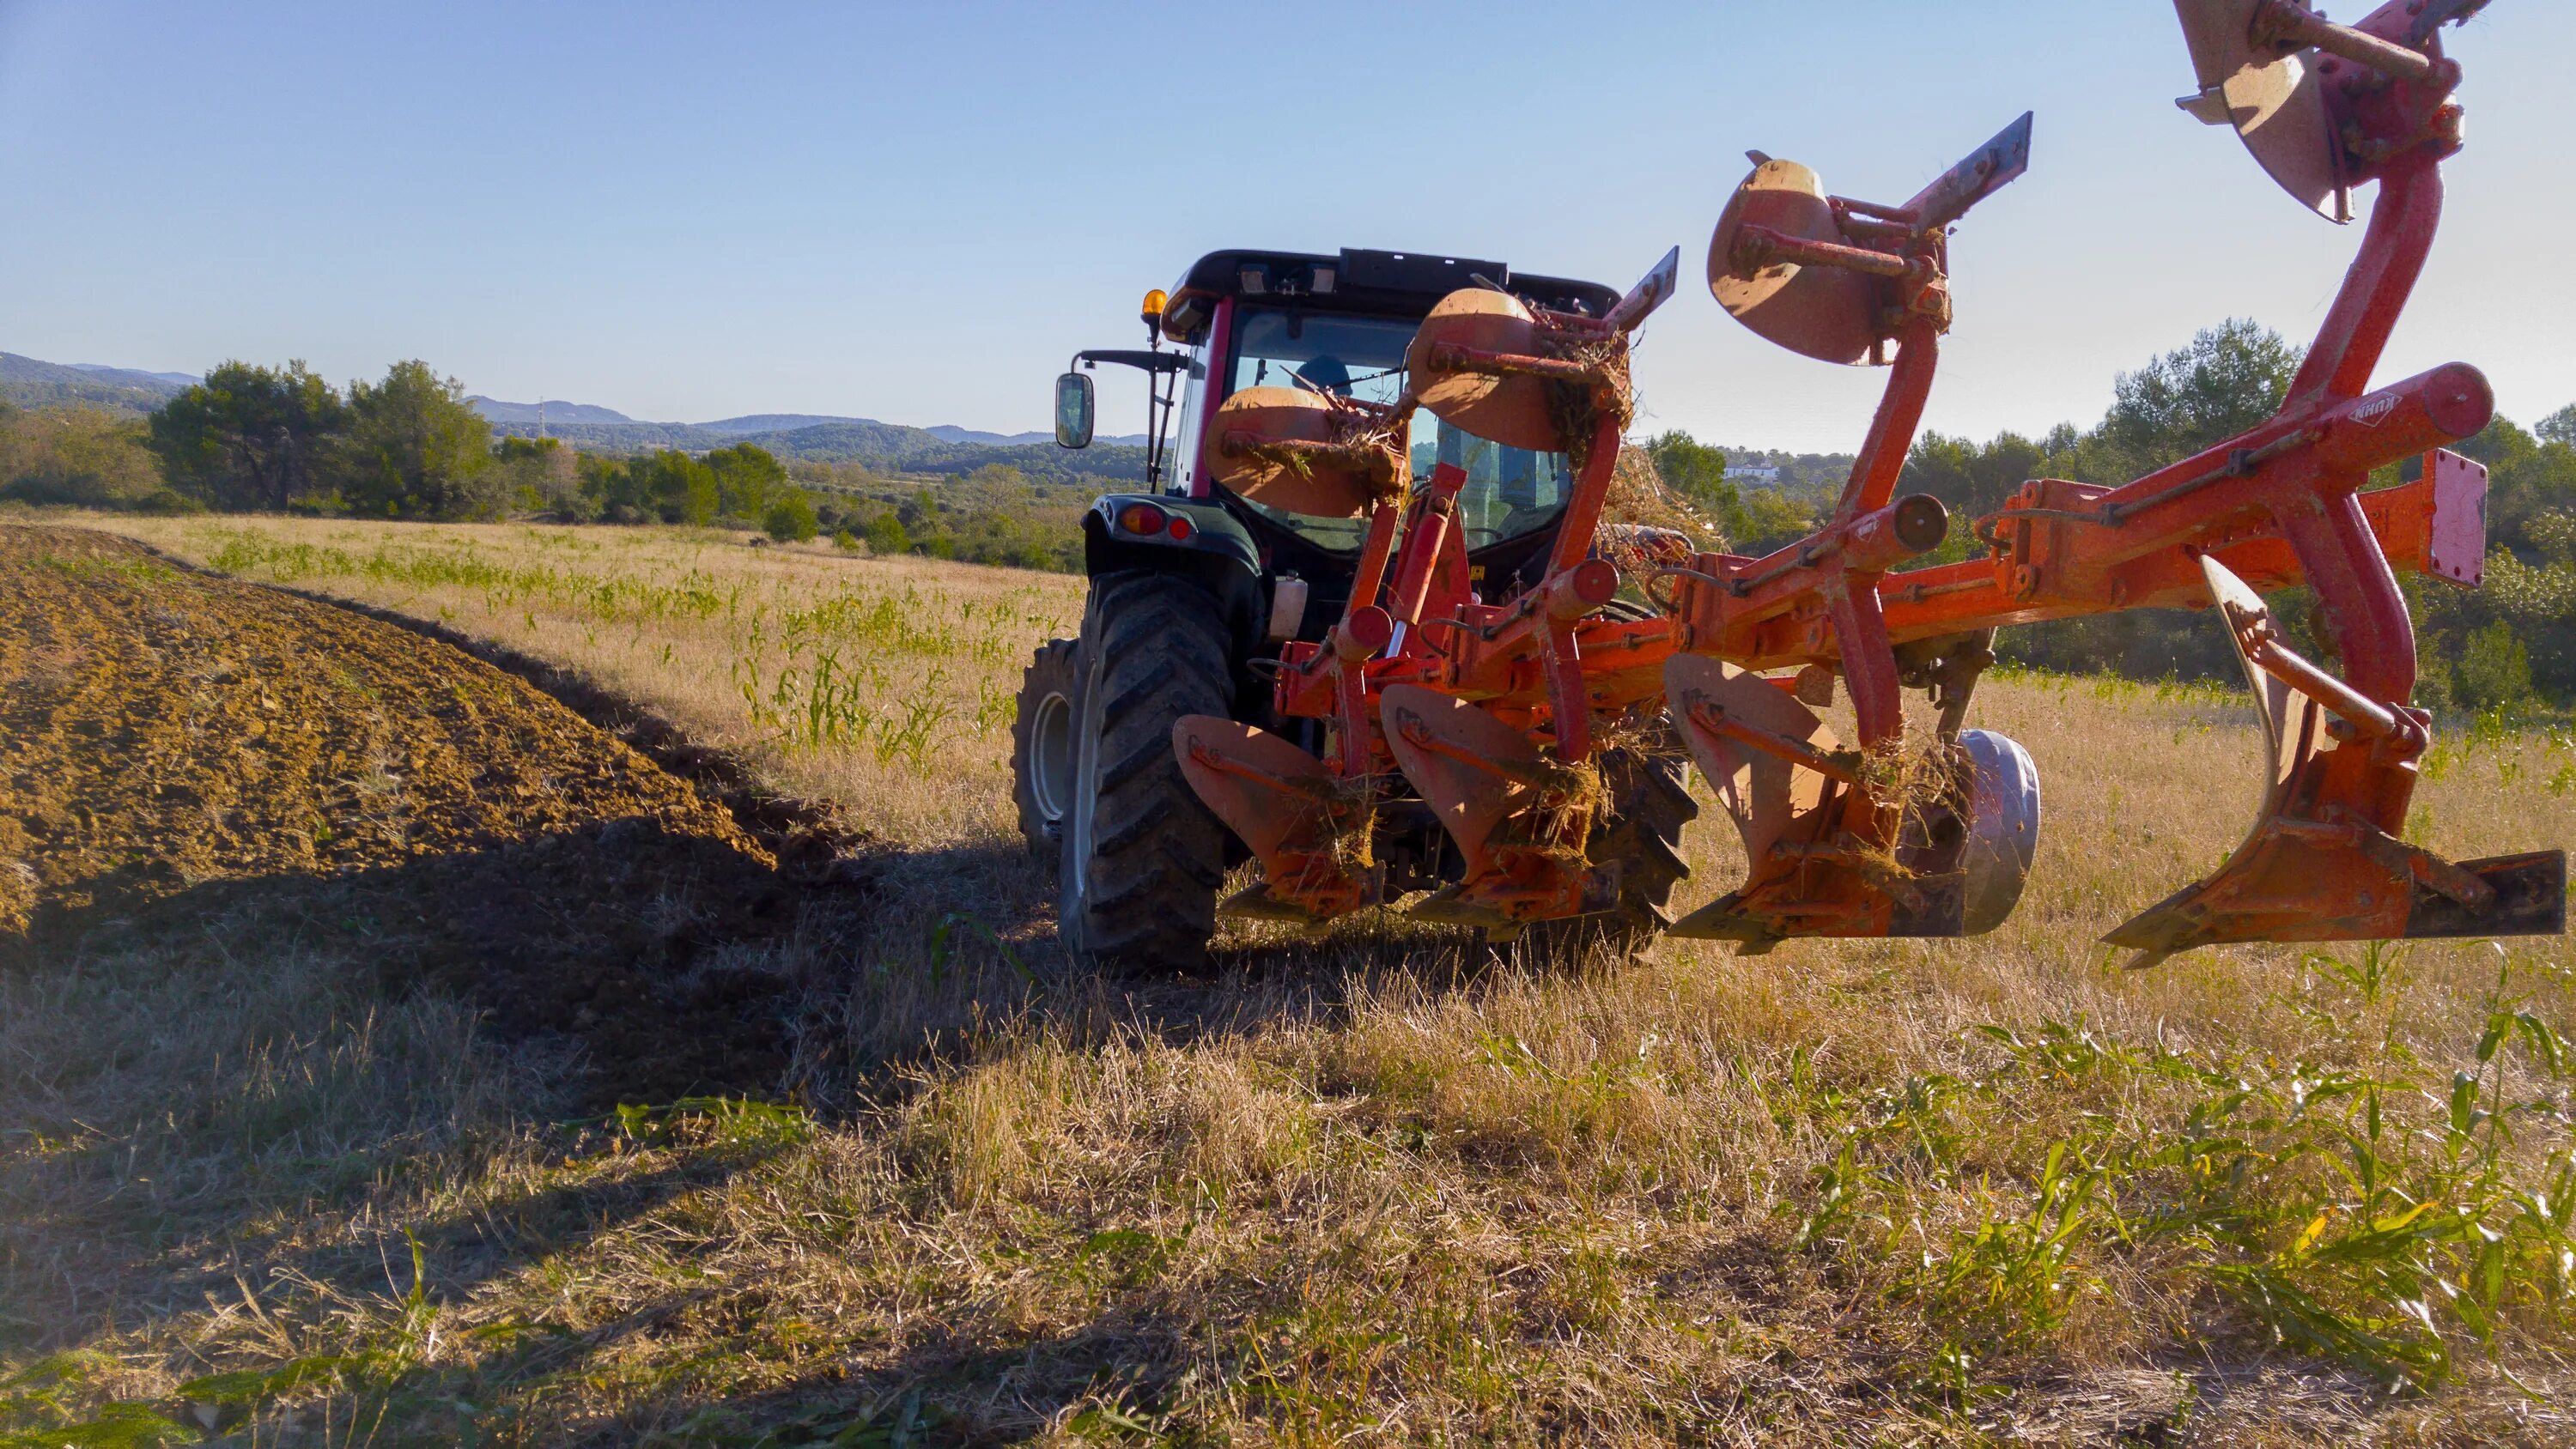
(1371, 1189)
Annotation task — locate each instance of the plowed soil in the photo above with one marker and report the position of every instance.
(183, 756)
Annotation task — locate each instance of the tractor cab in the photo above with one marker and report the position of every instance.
(1331, 327)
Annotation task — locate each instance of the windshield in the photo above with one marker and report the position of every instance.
(1509, 491)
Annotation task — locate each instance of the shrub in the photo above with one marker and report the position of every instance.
(2493, 670)
(169, 502)
(886, 535)
(791, 518)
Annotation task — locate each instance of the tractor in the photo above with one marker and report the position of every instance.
(1199, 585)
(1378, 633)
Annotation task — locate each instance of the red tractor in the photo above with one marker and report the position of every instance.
(1201, 589)
(1376, 635)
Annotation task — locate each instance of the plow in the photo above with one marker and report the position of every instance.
(1376, 638)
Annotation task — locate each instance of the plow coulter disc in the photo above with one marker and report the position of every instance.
(2001, 815)
(1513, 410)
(2276, 102)
(1313, 485)
(1821, 312)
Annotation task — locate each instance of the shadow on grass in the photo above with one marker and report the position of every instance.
(198, 1084)
(655, 954)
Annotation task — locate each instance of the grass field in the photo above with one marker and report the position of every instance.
(1374, 1188)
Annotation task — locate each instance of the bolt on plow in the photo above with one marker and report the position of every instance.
(1375, 635)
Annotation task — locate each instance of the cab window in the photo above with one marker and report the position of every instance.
(1509, 491)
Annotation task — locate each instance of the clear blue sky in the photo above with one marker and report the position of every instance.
(914, 212)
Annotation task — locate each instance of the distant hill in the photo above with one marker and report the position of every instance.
(175, 379)
(622, 437)
(778, 423)
(30, 383)
(854, 437)
(882, 447)
(946, 432)
(599, 427)
(498, 411)
(956, 434)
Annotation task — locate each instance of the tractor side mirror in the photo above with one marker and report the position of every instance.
(1073, 411)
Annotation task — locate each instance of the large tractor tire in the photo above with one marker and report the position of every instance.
(1042, 751)
(1143, 859)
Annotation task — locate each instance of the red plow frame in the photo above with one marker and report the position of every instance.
(1492, 712)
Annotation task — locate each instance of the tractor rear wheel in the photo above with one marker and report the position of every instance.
(1143, 859)
(1646, 803)
(1042, 751)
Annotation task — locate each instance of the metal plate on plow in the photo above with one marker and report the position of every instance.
(1470, 801)
(1653, 290)
(1989, 169)
(2457, 549)
(1763, 793)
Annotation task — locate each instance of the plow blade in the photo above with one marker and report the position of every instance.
(1298, 819)
(1520, 819)
(1828, 856)
(2323, 861)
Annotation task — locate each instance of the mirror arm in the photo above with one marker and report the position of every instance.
(1158, 415)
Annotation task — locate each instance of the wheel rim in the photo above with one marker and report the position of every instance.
(1075, 883)
(1051, 757)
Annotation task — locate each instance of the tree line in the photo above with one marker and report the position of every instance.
(283, 439)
